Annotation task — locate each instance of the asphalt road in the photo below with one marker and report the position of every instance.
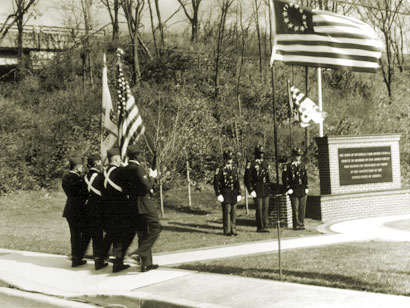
(12, 298)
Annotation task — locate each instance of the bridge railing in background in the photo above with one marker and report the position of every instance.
(45, 38)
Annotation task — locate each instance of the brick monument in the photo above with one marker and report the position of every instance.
(360, 177)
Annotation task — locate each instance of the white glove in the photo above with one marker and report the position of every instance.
(238, 198)
(153, 173)
(289, 192)
(221, 198)
(253, 194)
(307, 190)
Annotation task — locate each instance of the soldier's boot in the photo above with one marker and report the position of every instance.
(119, 265)
(99, 263)
(146, 264)
(77, 262)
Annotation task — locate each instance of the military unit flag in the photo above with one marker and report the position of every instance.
(130, 126)
(323, 39)
(303, 109)
(109, 126)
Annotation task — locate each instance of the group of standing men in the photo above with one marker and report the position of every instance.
(110, 207)
(257, 182)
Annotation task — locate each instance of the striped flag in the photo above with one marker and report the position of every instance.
(323, 39)
(109, 130)
(304, 109)
(130, 126)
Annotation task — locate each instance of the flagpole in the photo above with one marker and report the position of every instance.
(319, 93)
(102, 129)
(307, 95)
(275, 136)
(290, 115)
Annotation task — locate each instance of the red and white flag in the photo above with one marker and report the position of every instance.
(304, 109)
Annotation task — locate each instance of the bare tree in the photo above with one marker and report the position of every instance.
(113, 7)
(255, 8)
(224, 8)
(384, 14)
(86, 51)
(192, 17)
(133, 10)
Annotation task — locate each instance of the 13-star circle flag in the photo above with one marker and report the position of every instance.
(323, 39)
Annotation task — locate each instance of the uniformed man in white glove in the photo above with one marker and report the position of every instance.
(295, 180)
(257, 181)
(227, 190)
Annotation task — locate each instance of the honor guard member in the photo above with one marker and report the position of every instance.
(116, 202)
(295, 180)
(74, 211)
(148, 226)
(95, 186)
(227, 190)
(257, 182)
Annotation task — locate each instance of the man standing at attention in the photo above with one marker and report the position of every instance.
(74, 211)
(258, 184)
(295, 180)
(227, 190)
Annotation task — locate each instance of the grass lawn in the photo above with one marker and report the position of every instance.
(375, 266)
(33, 221)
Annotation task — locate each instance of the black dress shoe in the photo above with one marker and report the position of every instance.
(99, 265)
(149, 267)
(234, 234)
(76, 263)
(119, 267)
(265, 231)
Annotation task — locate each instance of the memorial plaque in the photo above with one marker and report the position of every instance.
(365, 165)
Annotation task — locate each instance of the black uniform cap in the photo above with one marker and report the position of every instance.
(227, 154)
(75, 160)
(133, 150)
(92, 159)
(296, 151)
(113, 152)
(259, 149)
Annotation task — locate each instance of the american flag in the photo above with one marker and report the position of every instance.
(130, 126)
(323, 39)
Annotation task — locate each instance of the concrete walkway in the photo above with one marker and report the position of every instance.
(169, 287)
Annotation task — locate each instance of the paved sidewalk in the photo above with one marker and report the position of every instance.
(169, 287)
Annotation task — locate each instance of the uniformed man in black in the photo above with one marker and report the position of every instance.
(257, 182)
(95, 186)
(295, 180)
(227, 190)
(147, 223)
(74, 211)
(116, 202)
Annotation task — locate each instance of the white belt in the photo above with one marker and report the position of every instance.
(108, 180)
(90, 184)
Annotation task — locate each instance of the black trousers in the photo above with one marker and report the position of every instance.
(298, 210)
(97, 237)
(229, 217)
(148, 230)
(80, 236)
(261, 212)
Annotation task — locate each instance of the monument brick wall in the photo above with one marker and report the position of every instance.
(360, 177)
